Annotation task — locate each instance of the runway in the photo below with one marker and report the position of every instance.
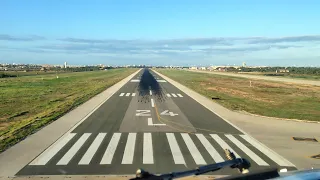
(150, 124)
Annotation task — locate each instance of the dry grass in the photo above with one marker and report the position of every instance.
(268, 98)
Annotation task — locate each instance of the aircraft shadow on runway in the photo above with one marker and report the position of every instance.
(147, 83)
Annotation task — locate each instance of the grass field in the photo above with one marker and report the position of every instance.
(30, 102)
(287, 75)
(267, 98)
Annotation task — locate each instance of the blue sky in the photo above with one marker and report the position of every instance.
(166, 32)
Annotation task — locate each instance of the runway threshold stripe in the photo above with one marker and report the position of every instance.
(147, 149)
(174, 95)
(268, 152)
(246, 150)
(195, 153)
(121, 94)
(74, 149)
(45, 157)
(223, 144)
(213, 152)
(168, 95)
(129, 149)
(128, 94)
(133, 94)
(92, 149)
(179, 95)
(175, 150)
(152, 103)
(111, 149)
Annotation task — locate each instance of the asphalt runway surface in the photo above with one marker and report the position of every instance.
(149, 124)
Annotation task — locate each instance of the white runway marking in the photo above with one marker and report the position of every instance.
(161, 80)
(179, 95)
(143, 113)
(147, 149)
(213, 152)
(135, 80)
(129, 150)
(150, 123)
(121, 94)
(175, 150)
(223, 144)
(195, 153)
(133, 94)
(128, 94)
(74, 149)
(246, 150)
(111, 149)
(92, 149)
(45, 157)
(174, 95)
(168, 95)
(152, 103)
(272, 155)
(150, 93)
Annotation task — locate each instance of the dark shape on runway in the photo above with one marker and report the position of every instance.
(147, 83)
(316, 156)
(304, 139)
(215, 98)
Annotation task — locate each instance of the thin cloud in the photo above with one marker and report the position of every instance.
(6, 37)
(292, 39)
(172, 42)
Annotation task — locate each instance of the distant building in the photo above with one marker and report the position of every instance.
(282, 71)
(203, 68)
(65, 65)
(244, 64)
(223, 69)
(193, 68)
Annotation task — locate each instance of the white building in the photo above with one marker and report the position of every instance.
(193, 68)
(65, 65)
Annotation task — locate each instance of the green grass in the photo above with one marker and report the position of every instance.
(265, 98)
(30, 102)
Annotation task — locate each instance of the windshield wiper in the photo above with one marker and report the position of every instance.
(240, 163)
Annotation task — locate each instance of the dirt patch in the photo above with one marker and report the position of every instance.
(239, 93)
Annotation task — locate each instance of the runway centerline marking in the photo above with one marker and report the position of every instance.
(150, 93)
(152, 103)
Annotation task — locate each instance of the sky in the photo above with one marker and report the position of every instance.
(161, 32)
